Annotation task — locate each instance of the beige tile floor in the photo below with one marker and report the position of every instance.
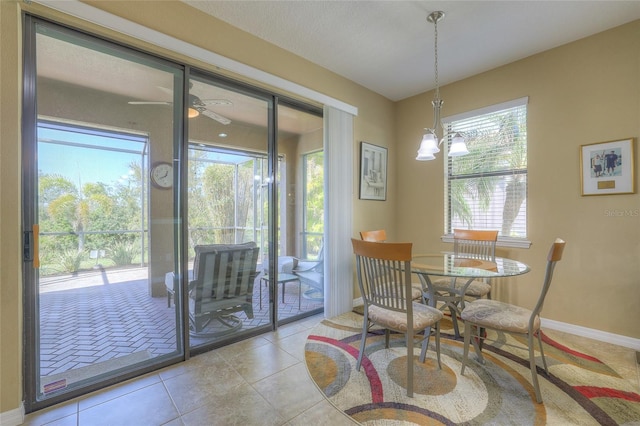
(260, 381)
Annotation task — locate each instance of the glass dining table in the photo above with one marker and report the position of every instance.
(460, 271)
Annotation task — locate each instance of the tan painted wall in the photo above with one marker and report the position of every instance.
(10, 256)
(584, 92)
(581, 93)
(374, 124)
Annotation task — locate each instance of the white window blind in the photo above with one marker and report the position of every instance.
(487, 189)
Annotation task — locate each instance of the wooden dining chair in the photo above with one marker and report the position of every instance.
(475, 244)
(472, 244)
(492, 314)
(379, 235)
(384, 279)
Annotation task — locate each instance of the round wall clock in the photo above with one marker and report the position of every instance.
(162, 175)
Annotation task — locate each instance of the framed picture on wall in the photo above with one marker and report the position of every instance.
(373, 172)
(607, 168)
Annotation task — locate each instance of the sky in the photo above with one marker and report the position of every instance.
(90, 155)
(84, 163)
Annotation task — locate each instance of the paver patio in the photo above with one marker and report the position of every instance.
(101, 315)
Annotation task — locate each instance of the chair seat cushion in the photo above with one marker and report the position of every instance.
(477, 288)
(499, 315)
(423, 317)
(286, 264)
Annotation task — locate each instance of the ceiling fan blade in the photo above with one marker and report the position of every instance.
(148, 103)
(213, 115)
(165, 90)
(218, 102)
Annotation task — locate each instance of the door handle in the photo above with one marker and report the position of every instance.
(31, 247)
(36, 246)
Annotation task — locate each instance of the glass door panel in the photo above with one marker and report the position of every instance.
(96, 307)
(300, 183)
(228, 212)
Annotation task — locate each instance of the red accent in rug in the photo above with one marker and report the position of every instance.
(563, 348)
(598, 392)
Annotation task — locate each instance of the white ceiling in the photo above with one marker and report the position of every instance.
(388, 46)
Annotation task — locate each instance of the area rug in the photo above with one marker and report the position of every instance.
(580, 390)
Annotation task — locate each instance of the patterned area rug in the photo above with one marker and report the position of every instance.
(580, 390)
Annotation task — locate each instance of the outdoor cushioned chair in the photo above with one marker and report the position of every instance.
(223, 279)
(508, 318)
(311, 273)
(384, 279)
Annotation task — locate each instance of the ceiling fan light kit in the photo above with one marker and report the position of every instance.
(197, 106)
(429, 146)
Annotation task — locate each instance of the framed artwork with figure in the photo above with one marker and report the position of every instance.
(373, 172)
(607, 168)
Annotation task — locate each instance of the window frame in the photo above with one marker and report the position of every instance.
(502, 240)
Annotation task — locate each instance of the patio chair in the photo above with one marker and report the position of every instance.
(512, 319)
(311, 273)
(384, 278)
(222, 285)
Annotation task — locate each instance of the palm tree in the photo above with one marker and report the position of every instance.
(75, 207)
(498, 154)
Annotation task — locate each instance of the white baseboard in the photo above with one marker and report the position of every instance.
(13, 417)
(603, 336)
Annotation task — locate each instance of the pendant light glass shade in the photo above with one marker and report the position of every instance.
(428, 147)
(458, 147)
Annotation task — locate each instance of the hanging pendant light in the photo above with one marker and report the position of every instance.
(431, 139)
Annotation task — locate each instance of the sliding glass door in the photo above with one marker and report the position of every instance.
(166, 212)
(242, 183)
(100, 228)
(227, 184)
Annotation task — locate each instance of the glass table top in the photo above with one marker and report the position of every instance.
(449, 265)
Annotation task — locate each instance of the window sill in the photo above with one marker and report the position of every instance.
(502, 241)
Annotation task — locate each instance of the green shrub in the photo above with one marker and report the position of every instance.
(123, 252)
(70, 260)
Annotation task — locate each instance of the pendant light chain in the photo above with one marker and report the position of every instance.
(437, 94)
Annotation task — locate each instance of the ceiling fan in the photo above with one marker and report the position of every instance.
(197, 106)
